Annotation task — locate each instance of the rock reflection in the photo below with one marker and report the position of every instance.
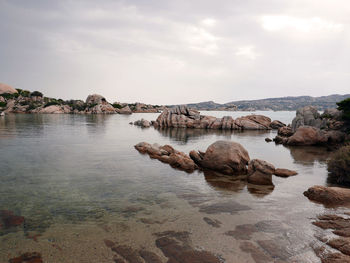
(224, 183)
(307, 155)
(16, 124)
(96, 123)
(185, 135)
(260, 191)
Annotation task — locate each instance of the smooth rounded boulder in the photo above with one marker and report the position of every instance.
(307, 135)
(4, 88)
(226, 157)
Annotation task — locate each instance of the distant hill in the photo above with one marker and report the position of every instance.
(276, 104)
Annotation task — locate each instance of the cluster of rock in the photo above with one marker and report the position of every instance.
(22, 101)
(311, 128)
(167, 154)
(225, 157)
(142, 123)
(183, 117)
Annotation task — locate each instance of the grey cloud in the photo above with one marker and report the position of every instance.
(163, 52)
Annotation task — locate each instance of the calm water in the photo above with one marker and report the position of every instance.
(78, 180)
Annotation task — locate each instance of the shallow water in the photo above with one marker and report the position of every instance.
(77, 180)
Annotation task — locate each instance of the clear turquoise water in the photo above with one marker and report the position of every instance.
(77, 172)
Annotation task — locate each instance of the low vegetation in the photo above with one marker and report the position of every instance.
(339, 166)
(117, 106)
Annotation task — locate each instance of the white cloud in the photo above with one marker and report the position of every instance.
(208, 22)
(305, 25)
(247, 52)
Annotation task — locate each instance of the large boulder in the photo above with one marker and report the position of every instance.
(306, 135)
(226, 157)
(308, 116)
(4, 88)
(95, 99)
(328, 195)
(260, 172)
(143, 123)
(285, 131)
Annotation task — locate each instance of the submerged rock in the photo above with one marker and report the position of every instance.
(226, 157)
(29, 257)
(168, 154)
(8, 219)
(328, 195)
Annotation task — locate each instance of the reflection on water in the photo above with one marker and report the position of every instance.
(77, 181)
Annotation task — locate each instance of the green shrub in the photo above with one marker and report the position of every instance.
(24, 93)
(117, 106)
(32, 106)
(3, 104)
(344, 106)
(53, 102)
(36, 94)
(339, 166)
(8, 96)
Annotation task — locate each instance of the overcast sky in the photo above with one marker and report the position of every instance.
(172, 52)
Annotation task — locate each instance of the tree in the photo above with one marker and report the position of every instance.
(344, 106)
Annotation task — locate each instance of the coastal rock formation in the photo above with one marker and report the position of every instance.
(182, 117)
(4, 88)
(226, 157)
(328, 195)
(308, 116)
(260, 172)
(167, 154)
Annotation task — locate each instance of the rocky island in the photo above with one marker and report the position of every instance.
(23, 101)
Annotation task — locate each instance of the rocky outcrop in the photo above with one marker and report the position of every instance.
(142, 123)
(308, 116)
(168, 154)
(226, 157)
(183, 117)
(56, 109)
(328, 195)
(95, 99)
(4, 88)
(260, 172)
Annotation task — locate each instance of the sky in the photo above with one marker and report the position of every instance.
(174, 52)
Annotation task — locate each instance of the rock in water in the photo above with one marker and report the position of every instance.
(260, 172)
(280, 172)
(307, 135)
(168, 154)
(226, 157)
(125, 110)
(328, 195)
